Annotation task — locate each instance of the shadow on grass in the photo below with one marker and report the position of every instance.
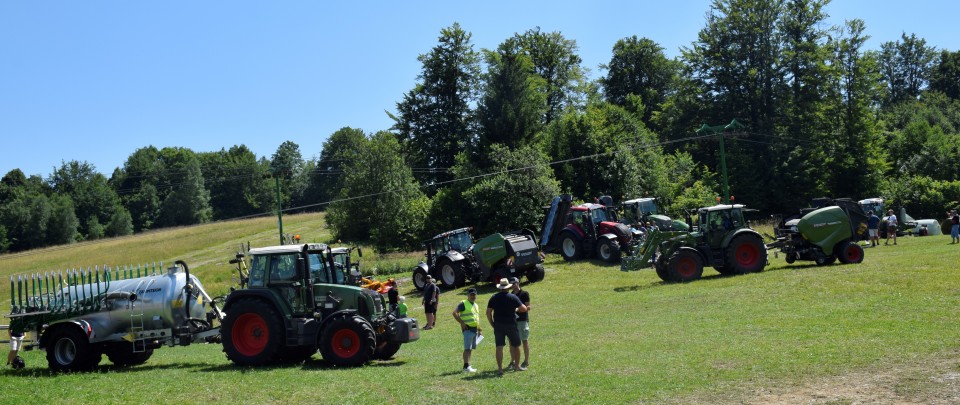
(311, 364)
(109, 368)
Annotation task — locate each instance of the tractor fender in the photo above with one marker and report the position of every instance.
(738, 232)
(423, 266)
(264, 294)
(608, 236)
(454, 256)
(347, 312)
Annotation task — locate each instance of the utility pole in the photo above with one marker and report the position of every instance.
(720, 129)
(276, 176)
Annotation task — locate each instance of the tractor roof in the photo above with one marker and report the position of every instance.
(588, 206)
(638, 200)
(288, 248)
(722, 207)
(453, 232)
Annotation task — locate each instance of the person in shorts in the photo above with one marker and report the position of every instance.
(523, 320)
(467, 314)
(502, 310)
(431, 299)
(954, 226)
(16, 342)
(873, 228)
(891, 227)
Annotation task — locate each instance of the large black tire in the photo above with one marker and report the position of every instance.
(684, 265)
(69, 350)
(348, 341)
(824, 260)
(661, 267)
(419, 278)
(451, 273)
(386, 350)
(570, 247)
(746, 254)
(849, 253)
(535, 274)
(608, 250)
(122, 355)
(252, 333)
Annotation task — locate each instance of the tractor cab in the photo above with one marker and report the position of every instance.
(345, 270)
(458, 240)
(718, 221)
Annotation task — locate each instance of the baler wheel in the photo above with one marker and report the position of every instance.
(252, 333)
(535, 274)
(850, 253)
(348, 341)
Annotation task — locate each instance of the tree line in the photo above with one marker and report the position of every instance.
(487, 136)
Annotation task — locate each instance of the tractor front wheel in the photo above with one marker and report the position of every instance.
(848, 253)
(746, 254)
(684, 265)
(252, 333)
(348, 341)
(570, 247)
(419, 278)
(451, 273)
(608, 250)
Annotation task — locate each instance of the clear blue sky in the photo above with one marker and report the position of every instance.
(95, 80)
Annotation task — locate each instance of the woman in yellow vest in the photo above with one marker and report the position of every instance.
(468, 314)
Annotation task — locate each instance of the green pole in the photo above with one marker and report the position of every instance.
(723, 169)
(279, 208)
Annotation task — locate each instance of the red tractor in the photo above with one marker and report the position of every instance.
(585, 230)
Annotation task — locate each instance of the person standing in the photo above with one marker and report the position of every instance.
(873, 228)
(954, 227)
(16, 342)
(431, 298)
(502, 310)
(523, 320)
(467, 314)
(891, 227)
(402, 307)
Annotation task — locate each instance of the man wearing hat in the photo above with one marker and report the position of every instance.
(502, 310)
(431, 297)
(523, 319)
(467, 314)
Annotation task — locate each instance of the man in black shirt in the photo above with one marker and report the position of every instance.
(523, 320)
(502, 310)
(431, 298)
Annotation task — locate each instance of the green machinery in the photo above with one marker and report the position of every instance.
(722, 240)
(823, 236)
(453, 258)
(296, 300)
(638, 211)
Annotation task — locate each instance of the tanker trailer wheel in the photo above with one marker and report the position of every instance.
(684, 265)
(348, 341)
(535, 274)
(608, 250)
(850, 252)
(69, 350)
(252, 333)
(386, 350)
(451, 274)
(419, 278)
(746, 254)
(570, 247)
(122, 355)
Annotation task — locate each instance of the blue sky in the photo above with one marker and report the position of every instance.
(95, 80)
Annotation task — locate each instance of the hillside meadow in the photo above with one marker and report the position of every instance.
(881, 331)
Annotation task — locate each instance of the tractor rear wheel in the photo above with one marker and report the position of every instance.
(348, 341)
(419, 278)
(745, 254)
(451, 273)
(684, 265)
(535, 274)
(386, 350)
(252, 333)
(69, 350)
(122, 355)
(850, 252)
(570, 247)
(608, 250)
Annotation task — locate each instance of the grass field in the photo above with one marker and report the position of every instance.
(794, 333)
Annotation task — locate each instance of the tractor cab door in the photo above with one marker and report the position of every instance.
(286, 277)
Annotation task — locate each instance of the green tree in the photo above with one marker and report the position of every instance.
(236, 182)
(435, 121)
(338, 151)
(514, 100)
(94, 228)
(91, 192)
(189, 202)
(945, 75)
(639, 67)
(380, 200)
(287, 164)
(905, 67)
(63, 224)
(556, 61)
(121, 223)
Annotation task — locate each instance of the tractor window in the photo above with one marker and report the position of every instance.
(283, 268)
(599, 216)
(460, 242)
(258, 270)
(318, 268)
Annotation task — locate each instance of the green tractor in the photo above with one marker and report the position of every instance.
(294, 300)
(453, 258)
(639, 211)
(722, 240)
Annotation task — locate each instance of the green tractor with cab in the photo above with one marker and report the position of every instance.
(453, 258)
(722, 239)
(295, 300)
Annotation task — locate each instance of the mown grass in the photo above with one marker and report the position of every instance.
(599, 335)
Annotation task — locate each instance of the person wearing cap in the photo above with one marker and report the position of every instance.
(502, 310)
(523, 320)
(467, 314)
(873, 228)
(431, 298)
